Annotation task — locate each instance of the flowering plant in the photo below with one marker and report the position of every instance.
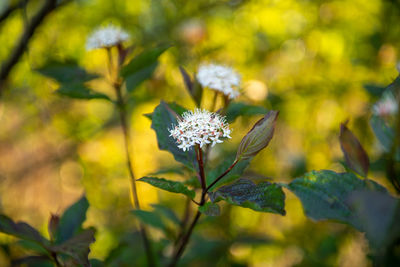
(189, 136)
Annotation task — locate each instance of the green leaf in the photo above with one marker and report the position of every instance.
(234, 174)
(168, 185)
(135, 79)
(258, 137)
(379, 215)
(66, 72)
(72, 219)
(383, 132)
(374, 90)
(167, 212)
(324, 194)
(210, 209)
(151, 218)
(22, 230)
(141, 67)
(33, 246)
(355, 155)
(194, 88)
(163, 118)
(77, 247)
(176, 170)
(237, 109)
(80, 91)
(265, 196)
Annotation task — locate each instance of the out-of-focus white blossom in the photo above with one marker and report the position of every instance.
(106, 37)
(219, 78)
(386, 106)
(199, 127)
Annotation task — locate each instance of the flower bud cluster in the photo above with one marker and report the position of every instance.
(106, 37)
(219, 78)
(199, 127)
(386, 106)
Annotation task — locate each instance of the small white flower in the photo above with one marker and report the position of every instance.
(199, 127)
(219, 78)
(386, 106)
(106, 37)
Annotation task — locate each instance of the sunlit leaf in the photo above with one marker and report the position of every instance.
(355, 155)
(68, 72)
(77, 247)
(265, 196)
(258, 137)
(168, 185)
(141, 67)
(210, 209)
(324, 194)
(163, 118)
(22, 230)
(237, 109)
(72, 219)
(80, 91)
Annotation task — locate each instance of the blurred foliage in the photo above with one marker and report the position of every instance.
(308, 59)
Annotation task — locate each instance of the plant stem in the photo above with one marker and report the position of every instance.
(128, 145)
(185, 238)
(391, 169)
(214, 103)
(222, 175)
(185, 241)
(134, 194)
(54, 256)
(199, 156)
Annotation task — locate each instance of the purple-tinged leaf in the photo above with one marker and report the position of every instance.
(77, 247)
(210, 209)
(265, 196)
(22, 230)
(258, 137)
(193, 87)
(355, 155)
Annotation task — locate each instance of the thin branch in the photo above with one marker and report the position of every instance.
(121, 105)
(19, 49)
(222, 175)
(11, 8)
(185, 241)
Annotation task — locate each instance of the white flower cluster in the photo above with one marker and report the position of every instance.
(386, 106)
(199, 127)
(219, 78)
(106, 37)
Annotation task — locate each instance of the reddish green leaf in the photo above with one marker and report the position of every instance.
(355, 155)
(258, 137)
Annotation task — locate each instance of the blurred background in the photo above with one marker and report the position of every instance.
(309, 59)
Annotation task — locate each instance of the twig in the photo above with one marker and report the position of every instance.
(185, 239)
(222, 175)
(391, 169)
(8, 65)
(11, 8)
(128, 145)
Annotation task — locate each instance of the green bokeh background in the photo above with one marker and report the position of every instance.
(308, 59)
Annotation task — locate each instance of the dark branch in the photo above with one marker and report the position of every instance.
(19, 49)
(11, 8)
